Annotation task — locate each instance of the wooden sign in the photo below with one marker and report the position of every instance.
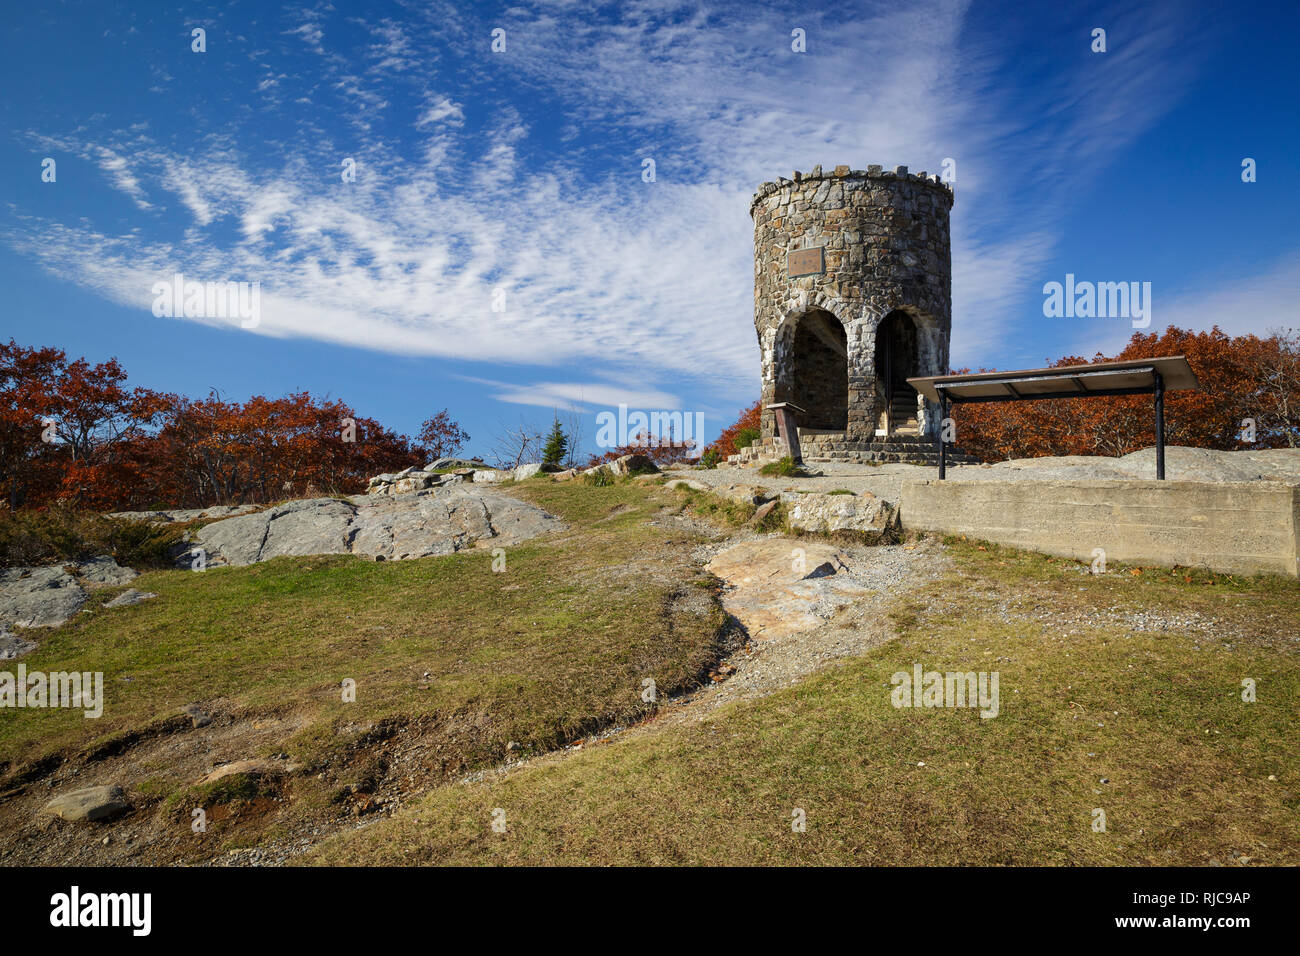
(805, 262)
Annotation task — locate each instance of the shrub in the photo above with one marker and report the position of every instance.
(782, 468)
(748, 422)
(64, 535)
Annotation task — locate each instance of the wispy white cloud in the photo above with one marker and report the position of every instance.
(598, 268)
(580, 396)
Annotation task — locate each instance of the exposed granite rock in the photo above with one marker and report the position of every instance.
(775, 586)
(827, 513)
(187, 514)
(38, 597)
(130, 596)
(12, 646)
(104, 571)
(442, 463)
(382, 527)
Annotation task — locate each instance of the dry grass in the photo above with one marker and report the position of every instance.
(1100, 708)
(467, 659)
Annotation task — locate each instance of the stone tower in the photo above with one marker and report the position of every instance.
(852, 295)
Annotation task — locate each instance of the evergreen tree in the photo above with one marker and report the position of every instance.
(557, 445)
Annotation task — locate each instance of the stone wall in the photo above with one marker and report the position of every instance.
(1237, 527)
(885, 241)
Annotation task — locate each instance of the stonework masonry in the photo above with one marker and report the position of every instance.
(837, 344)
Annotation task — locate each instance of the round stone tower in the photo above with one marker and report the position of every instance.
(852, 296)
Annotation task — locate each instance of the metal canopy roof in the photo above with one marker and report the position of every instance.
(1136, 377)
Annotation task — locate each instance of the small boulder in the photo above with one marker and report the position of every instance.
(747, 494)
(130, 596)
(104, 571)
(197, 715)
(524, 472)
(442, 463)
(763, 511)
(488, 476)
(38, 597)
(633, 465)
(410, 483)
(91, 804)
(567, 475)
(12, 646)
(827, 513)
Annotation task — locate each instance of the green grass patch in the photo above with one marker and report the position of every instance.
(782, 468)
(552, 647)
(1097, 711)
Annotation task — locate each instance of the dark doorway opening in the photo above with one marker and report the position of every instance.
(897, 360)
(819, 379)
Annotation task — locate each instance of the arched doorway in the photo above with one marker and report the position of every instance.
(819, 372)
(896, 362)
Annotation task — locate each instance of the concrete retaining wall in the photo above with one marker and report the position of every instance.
(1233, 527)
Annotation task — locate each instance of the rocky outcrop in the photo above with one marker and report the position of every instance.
(39, 597)
(12, 646)
(48, 596)
(437, 474)
(104, 571)
(186, 514)
(779, 586)
(390, 527)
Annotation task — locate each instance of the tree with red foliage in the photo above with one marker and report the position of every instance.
(662, 451)
(271, 449)
(1246, 377)
(744, 430)
(441, 436)
(71, 428)
(74, 433)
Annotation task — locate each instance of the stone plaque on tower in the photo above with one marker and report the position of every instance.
(805, 262)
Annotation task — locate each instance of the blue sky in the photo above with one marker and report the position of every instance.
(522, 170)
